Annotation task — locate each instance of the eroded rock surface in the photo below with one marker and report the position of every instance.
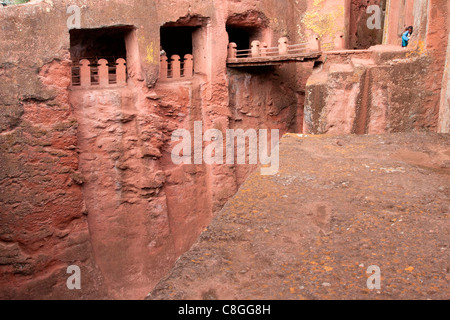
(338, 205)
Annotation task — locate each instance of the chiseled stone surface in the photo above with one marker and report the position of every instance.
(337, 206)
(86, 176)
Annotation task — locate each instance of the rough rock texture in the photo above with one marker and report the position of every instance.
(338, 205)
(43, 223)
(444, 117)
(384, 92)
(360, 36)
(395, 90)
(437, 44)
(86, 176)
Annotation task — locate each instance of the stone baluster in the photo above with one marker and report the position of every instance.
(85, 73)
(176, 67)
(256, 52)
(283, 46)
(188, 66)
(232, 50)
(121, 71)
(103, 72)
(314, 43)
(163, 67)
(339, 41)
(263, 49)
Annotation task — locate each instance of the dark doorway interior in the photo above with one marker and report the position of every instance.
(242, 36)
(94, 44)
(177, 40)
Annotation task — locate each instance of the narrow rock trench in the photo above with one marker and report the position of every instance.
(143, 210)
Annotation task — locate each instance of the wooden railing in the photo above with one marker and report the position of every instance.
(175, 68)
(99, 72)
(259, 49)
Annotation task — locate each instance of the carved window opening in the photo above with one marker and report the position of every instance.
(99, 56)
(244, 28)
(243, 36)
(177, 51)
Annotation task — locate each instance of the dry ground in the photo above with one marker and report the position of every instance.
(337, 206)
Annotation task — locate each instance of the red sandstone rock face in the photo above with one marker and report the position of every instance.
(127, 213)
(360, 36)
(382, 93)
(86, 176)
(137, 211)
(43, 221)
(309, 233)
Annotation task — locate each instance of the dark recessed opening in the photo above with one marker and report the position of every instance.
(94, 44)
(318, 66)
(177, 40)
(242, 36)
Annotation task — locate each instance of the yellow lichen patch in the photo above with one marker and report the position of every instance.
(419, 50)
(320, 22)
(150, 54)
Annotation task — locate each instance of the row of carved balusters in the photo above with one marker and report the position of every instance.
(101, 73)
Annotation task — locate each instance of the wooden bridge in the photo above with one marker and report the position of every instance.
(261, 55)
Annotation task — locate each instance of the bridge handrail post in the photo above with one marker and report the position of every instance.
(263, 47)
(188, 66)
(283, 46)
(103, 72)
(121, 71)
(256, 50)
(85, 73)
(339, 41)
(232, 50)
(314, 43)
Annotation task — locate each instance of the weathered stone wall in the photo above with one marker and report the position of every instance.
(436, 46)
(87, 177)
(360, 36)
(372, 95)
(401, 14)
(444, 117)
(393, 90)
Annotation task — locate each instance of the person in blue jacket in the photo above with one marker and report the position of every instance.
(406, 36)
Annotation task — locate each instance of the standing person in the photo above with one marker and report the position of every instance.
(407, 36)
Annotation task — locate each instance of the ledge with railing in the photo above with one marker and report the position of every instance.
(176, 68)
(260, 54)
(260, 49)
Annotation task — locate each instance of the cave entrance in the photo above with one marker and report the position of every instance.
(96, 45)
(244, 28)
(242, 36)
(177, 40)
(183, 48)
